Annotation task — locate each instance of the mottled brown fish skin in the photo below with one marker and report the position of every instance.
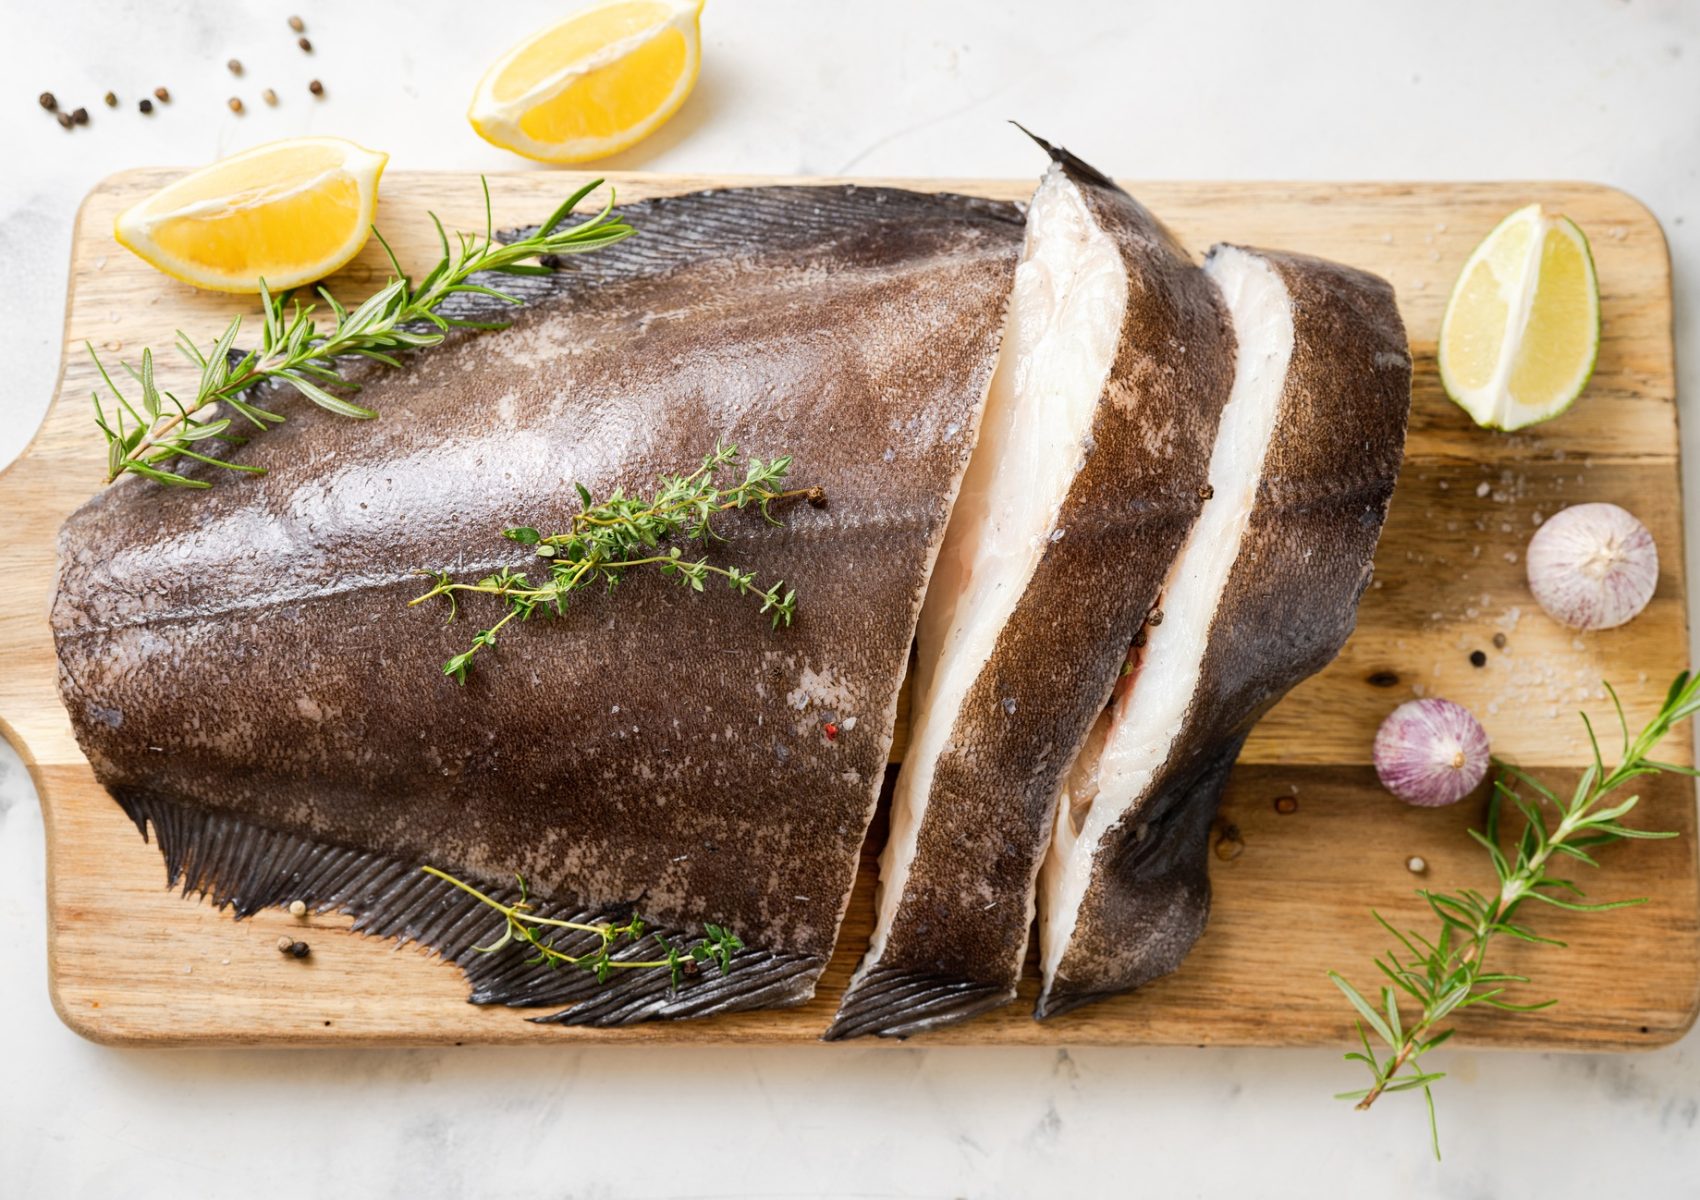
(1290, 603)
(956, 946)
(249, 651)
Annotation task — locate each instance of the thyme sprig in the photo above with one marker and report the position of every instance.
(604, 540)
(147, 436)
(1449, 974)
(522, 924)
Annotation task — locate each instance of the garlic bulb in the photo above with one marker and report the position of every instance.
(1592, 566)
(1431, 752)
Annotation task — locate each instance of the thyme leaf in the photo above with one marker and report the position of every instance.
(522, 924)
(147, 436)
(606, 539)
(1447, 974)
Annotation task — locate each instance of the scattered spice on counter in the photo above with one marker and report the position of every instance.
(163, 95)
(306, 46)
(1499, 641)
(48, 101)
(1286, 805)
(1382, 679)
(146, 105)
(317, 88)
(235, 66)
(64, 120)
(235, 105)
(299, 950)
(80, 116)
(1478, 658)
(284, 943)
(270, 97)
(111, 99)
(1417, 865)
(297, 24)
(297, 908)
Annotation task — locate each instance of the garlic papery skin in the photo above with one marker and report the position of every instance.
(1431, 752)
(1592, 566)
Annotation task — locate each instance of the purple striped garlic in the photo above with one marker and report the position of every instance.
(1592, 566)
(1430, 752)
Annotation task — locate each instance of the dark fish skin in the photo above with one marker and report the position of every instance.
(956, 946)
(1290, 603)
(244, 673)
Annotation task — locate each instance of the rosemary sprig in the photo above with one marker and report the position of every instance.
(604, 540)
(1449, 974)
(144, 437)
(522, 924)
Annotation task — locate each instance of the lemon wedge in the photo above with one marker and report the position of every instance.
(289, 212)
(596, 83)
(1522, 328)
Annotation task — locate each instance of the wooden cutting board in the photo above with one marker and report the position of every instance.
(1307, 843)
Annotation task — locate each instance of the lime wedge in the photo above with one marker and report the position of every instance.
(1522, 329)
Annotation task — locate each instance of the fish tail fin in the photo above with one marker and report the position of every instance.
(1067, 159)
(244, 866)
(898, 1002)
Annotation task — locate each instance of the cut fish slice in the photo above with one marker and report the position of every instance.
(245, 675)
(1116, 362)
(1263, 594)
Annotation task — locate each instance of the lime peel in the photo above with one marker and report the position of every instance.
(1521, 332)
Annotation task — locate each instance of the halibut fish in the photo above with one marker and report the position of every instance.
(1116, 363)
(245, 675)
(1263, 594)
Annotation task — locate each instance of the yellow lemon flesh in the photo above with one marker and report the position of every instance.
(1522, 329)
(289, 212)
(596, 83)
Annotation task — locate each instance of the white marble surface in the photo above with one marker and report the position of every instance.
(1597, 89)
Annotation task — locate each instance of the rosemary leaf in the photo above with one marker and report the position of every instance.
(294, 350)
(1448, 974)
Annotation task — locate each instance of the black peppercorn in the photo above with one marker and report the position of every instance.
(80, 116)
(1478, 659)
(48, 102)
(299, 949)
(146, 105)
